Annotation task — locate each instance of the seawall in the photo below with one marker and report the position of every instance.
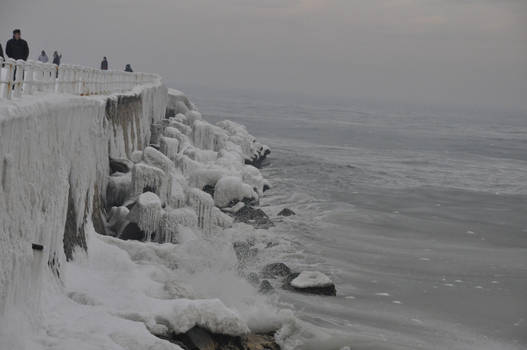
(54, 161)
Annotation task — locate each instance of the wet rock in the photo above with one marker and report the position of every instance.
(258, 158)
(266, 187)
(244, 251)
(253, 216)
(276, 270)
(286, 212)
(265, 287)
(120, 165)
(312, 282)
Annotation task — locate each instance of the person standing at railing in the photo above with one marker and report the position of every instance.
(128, 68)
(17, 48)
(43, 57)
(104, 64)
(56, 58)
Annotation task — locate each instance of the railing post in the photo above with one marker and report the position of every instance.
(19, 78)
(28, 77)
(10, 67)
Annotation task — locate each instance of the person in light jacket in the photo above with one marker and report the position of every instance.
(43, 57)
(104, 64)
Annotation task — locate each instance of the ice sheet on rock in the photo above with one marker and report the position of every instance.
(202, 203)
(231, 188)
(169, 146)
(147, 213)
(207, 136)
(307, 279)
(177, 197)
(156, 158)
(172, 222)
(150, 178)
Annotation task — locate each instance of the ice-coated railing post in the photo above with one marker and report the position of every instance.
(76, 84)
(10, 67)
(28, 77)
(19, 74)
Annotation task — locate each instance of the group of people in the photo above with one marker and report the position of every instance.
(44, 57)
(18, 49)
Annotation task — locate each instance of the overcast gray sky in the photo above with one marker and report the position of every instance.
(438, 51)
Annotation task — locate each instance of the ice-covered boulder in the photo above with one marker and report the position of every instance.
(121, 165)
(156, 158)
(169, 146)
(147, 213)
(313, 282)
(149, 178)
(208, 136)
(231, 188)
(173, 223)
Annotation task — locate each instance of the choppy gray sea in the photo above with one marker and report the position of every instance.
(419, 215)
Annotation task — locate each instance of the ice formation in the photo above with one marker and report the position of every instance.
(307, 279)
(87, 291)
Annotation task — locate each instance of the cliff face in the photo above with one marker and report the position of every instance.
(54, 153)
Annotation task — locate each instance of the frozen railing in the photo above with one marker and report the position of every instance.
(19, 78)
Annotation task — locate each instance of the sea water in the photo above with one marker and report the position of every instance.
(418, 214)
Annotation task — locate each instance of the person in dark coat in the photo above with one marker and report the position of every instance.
(128, 68)
(56, 58)
(17, 48)
(104, 63)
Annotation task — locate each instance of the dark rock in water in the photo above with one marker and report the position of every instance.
(266, 187)
(210, 190)
(253, 216)
(271, 244)
(286, 212)
(265, 287)
(258, 159)
(276, 270)
(120, 165)
(322, 290)
(198, 338)
(253, 278)
(133, 232)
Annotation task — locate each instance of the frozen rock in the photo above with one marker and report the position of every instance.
(231, 188)
(147, 214)
(158, 159)
(149, 178)
(313, 282)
